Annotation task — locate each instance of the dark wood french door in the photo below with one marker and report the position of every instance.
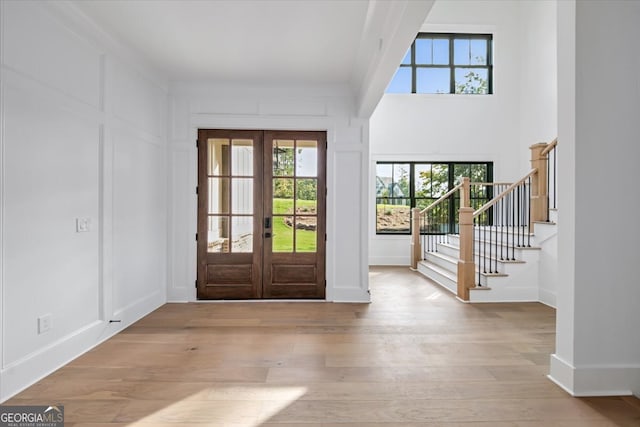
(261, 214)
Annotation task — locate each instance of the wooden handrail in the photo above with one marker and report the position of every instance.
(503, 194)
(549, 147)
(488, 184)
(441, 199)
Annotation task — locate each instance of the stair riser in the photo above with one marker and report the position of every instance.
(503, 268)
(444, 263)
(443, 281)
(449, 251)
(497, 237)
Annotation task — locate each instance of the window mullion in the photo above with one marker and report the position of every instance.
(452, 74)
(489, 65)
(414, 69)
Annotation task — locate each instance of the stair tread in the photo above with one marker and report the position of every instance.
(509, 231)
(505, 261)
(452, 275)
(450, 245)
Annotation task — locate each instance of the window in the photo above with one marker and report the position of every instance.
(446, 63)
(401, 186)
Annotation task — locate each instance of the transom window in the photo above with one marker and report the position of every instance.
(446, 63)
(401, 186)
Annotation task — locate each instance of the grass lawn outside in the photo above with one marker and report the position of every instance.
(306, 240)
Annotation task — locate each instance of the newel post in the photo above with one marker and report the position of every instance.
(466, 264)
(539, 196)
(465, 196)
(416, 250)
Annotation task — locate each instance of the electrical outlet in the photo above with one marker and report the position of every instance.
(44, 323)
(83, 225)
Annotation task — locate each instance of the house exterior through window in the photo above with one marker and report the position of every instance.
(401, 186)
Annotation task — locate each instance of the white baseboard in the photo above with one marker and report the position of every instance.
(390, 260)
(603, 380)
(350, 295)
(24, 372)
(547, 298)
(504, 294)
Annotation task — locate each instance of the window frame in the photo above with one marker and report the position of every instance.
(412, 196)
(451, 37)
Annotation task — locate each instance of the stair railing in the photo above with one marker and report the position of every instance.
(502, 225)
(435, 224)
(431, 225)
(492, 232)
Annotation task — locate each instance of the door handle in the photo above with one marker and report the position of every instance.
(267, 222)
(267, 235)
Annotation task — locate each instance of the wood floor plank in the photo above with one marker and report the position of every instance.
(413, 357)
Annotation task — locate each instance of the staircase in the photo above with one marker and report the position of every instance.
(515, 279)
(501, 251)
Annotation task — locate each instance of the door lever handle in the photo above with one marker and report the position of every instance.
(267, 235)
(267, 222)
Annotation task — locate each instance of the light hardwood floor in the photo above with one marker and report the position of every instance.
(413, 357)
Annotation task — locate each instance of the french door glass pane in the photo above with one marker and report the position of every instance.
(306, 196)
(242, 157)
(242, 195)
(307, 158)
(218, 234)
(282, 239)
(219, 195)
(306, 234)
(218, 162)
(282, 196)
(283, 157)
(242, 234)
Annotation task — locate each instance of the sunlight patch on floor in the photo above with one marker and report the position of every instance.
(434, 296)
(235, 405)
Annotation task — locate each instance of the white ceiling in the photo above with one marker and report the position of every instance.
(261, 41)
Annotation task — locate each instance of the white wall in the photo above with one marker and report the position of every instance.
(329, 108)
(497, 128)
(598, 350)
(82, 136)
(538, 89)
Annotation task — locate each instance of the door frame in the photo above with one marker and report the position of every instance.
(292, 285)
